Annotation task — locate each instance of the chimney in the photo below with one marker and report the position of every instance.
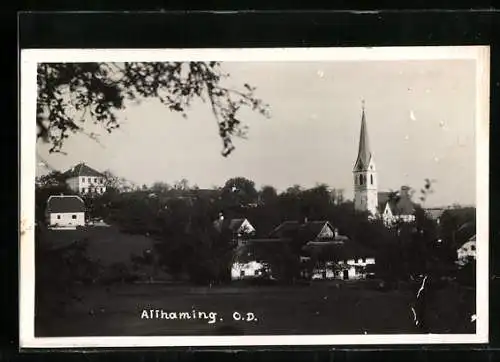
(336, 232)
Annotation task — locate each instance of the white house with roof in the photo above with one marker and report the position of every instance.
(467, 251)
(247, 270)
(84, 180)
(65, 212)
(396, 206)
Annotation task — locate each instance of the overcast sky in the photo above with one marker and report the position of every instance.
(420, 118)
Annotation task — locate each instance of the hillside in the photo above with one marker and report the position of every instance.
(106, 244)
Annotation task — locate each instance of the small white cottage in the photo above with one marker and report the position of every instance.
(65, 212)
(467, 251)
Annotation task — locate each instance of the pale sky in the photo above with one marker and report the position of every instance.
(420, 118)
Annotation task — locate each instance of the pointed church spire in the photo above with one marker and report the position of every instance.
(364, 152)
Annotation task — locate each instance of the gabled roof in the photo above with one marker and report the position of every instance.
(471, 240)
(383, 197)
(285, 229)
(465, 232)
(235, 224)
(65, 203)
(82, 170)
(364, 151)
(311, 229)
(306, 231)
(401, 204)
(230, 224)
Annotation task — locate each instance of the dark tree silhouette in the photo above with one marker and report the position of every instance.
(117, 183)
(69, 93)
(239, 192)
(47, 185)
(268, 195)
(160, 187)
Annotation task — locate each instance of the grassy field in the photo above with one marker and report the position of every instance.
(106, 244)
(320, 308)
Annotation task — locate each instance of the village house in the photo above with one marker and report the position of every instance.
(467, 251)
(347, 261)
(240, 228)
(241, 270)
(65, 212)
(396, 207)
(323, 252)
(84, 180)
(244, 266)
(337, 257)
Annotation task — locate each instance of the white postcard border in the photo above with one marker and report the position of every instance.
(29, 60)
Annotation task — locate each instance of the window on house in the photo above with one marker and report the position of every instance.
(256, 272)
(242, 273)
(473, 247)
(95, 179)
(73, 216)
(58, 217)
(371, 179)
(83, 179)
(361, 179)
(83, 190)
(363, 260)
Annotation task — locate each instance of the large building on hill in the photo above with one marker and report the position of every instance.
(84, 180)
(389, 206)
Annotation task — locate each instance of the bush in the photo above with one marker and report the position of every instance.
(58, 272)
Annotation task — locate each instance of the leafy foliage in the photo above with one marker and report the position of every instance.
(239, 192)
(47, 185)
(70, 93)
(181, 220)
(59, 271)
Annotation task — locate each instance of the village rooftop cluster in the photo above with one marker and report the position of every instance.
(348, 259)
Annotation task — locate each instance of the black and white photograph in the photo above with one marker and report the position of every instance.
(328, 196)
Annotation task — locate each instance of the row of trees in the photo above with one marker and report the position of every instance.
(181, 220)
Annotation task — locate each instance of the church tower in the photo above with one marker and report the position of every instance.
(365, 174)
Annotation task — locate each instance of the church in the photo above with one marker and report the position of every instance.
(389, 206)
